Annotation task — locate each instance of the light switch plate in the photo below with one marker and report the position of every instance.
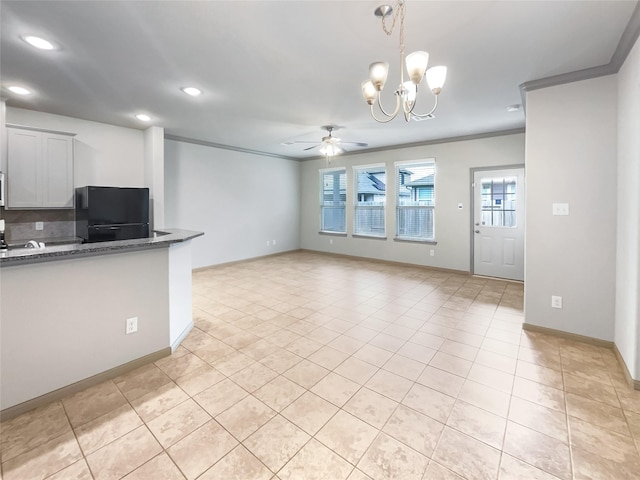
(560, 209)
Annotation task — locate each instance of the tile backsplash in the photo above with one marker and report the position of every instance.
(21, 224)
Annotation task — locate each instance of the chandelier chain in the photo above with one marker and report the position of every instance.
(398, 13)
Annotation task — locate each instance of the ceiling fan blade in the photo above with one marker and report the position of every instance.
(356, 144)
(299, 141)
(310, 148)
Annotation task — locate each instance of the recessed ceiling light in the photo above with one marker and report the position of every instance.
(38, 42)
(143, 117)
(514, 108)
(193, 91)
(19, 90)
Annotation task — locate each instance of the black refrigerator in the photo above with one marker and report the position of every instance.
(111, 213)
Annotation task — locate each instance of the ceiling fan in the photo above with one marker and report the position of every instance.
(329, 145)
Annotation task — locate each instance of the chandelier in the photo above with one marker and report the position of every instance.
(407, 92)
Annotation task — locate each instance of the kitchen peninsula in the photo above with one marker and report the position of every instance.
(64, 310)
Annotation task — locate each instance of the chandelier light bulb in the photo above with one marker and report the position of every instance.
(378, 72)
(416, 63)
(410, 91)
(369, 92)
(435, 78)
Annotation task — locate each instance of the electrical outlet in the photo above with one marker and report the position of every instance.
(331, 241)
(274, 243)
(268, 243)
(432, 252)
(132, 325)
(39, 225)
(556, 302)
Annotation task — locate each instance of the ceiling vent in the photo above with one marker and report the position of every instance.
(426, 117)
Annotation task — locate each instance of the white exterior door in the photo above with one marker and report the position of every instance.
(498, 223)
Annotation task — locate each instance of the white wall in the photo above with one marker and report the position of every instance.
(453, 226)
(104, 154)
(154, 174)
(239, 200)
(571, 158)
(627, 318)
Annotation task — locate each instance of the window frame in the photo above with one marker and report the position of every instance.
(322, 172)
(357, 169)
(398, 166)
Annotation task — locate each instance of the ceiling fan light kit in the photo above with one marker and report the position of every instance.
(329, 145)
(416, 64)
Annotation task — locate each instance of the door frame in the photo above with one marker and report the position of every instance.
(472, 172)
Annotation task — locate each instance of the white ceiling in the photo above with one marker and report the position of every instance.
(274, 71)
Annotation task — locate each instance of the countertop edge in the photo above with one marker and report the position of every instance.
(24, 256)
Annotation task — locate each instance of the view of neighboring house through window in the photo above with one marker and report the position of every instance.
(415, 200)
(333, 191)
(499, 202)
(370, 195)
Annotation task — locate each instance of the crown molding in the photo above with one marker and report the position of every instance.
(626, 43)
(462, 138)
(222, 146)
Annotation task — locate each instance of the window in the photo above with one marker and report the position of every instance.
(333, 191)
(415, 200)
(499, 202)
(370, 194)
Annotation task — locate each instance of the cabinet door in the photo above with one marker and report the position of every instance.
(24, 169)
(57, 152)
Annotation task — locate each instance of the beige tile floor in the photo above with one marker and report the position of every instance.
(305, 366)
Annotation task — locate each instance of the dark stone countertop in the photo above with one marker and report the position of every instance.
(48, 241)
(161, 238)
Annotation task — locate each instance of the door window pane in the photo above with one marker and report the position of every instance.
(499, 202)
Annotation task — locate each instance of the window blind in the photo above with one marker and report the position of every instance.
(333, 196)
(370, 198)
(415, 200)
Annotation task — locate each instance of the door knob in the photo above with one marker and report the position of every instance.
(478, 224)
(477, 231)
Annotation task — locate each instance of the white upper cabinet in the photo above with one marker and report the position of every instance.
(39, 169)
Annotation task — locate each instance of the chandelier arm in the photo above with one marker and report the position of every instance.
(395, 112)
(389, 117)
(424, 115)
(413, 104)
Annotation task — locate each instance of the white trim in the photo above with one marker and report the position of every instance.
(412, 162)
(332, 169)
(372, 165)
(181, 337)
